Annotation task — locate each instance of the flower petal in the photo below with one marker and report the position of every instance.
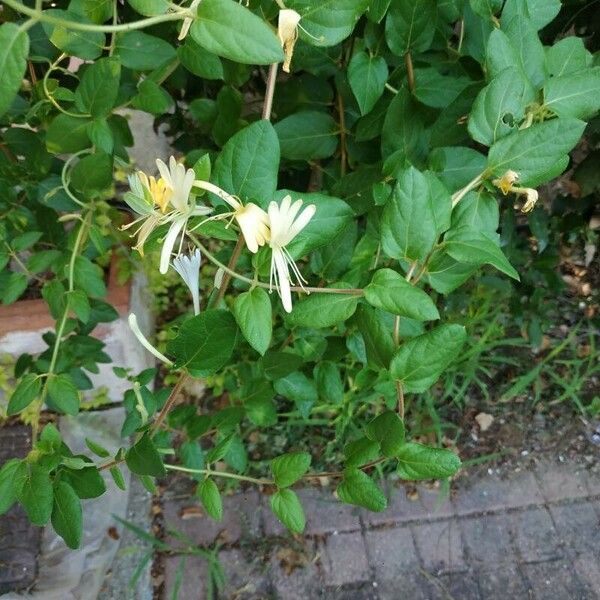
(170, 239)
(283, 276)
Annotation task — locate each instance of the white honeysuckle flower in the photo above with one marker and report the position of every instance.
(188, 268)
(166, 200)
(287, 31)
(286, 222)
(253, 221)
(187, 22)
(133, 324)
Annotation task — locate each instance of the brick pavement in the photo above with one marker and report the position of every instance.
(530, 535)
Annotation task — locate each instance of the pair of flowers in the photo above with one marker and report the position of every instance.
(170, 200)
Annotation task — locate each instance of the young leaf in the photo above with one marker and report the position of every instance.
(35, 494)
(144, 459)
(118, 478)
(14, 44)
(288, 468)
(230, 30)
(25, 393)
(287, 508)
(209, 495)
(63, 394)
(367, 76)
(390, 291)
(388, 430)
(359, 489)
(300, 390)
(421, 360)
(253, 313)
(67, 516)
(416, 461)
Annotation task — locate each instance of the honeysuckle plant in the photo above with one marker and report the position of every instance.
(352, 155)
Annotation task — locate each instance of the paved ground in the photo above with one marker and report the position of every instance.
(532, 534)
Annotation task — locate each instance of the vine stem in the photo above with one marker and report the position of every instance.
(410, 72)
(168, 405)
(270, 91)
(458, 196)
(41, 15)
(235, 255)
(236, 275)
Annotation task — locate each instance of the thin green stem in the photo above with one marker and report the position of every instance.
(211, 473)
(458, 196)
(391, 88)
(76, 26)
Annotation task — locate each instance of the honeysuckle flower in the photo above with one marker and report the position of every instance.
(166, 200)
(287, 31)
(187, 22)
(133, 325)
(188, 268)
(506, 185)
(286, 222)
(253, 221)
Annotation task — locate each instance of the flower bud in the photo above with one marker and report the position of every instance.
(287, 31)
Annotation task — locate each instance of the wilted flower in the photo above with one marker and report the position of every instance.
(287, 31)
(166, 200)
(188, 268)
(532, 198)
(187, 22)
(506, 185)
(285, 224)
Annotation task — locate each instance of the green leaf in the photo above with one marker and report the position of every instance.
(298, 388)
(252, 311)
(152, 98)
(307, 135)
(359, 489)
(86, 482)
(118, 478)
(478, 210)
(500, 106)
(230, 30)
(35, 494)
(486, 8)
(142, 52)
(477, 248)
(360, 452)
(327, 22)
(437, 90)
(377, 337)
(149, 8)
(421, 360)
(205, 342)
(322, 310)
(367, 76)
(536, 153)
(13, 287)
(541, 12)
(388, 430)
(276, 365)
(199, 61)
(287, 508)
(329, 382)
(257, 396)
(89, 277)
(84, 44)
(390, 291)
(64, 394)
(209, 495)
(567, 56)
(249, 163)
(144, 459)
(67, 516)
(410, 25)
(289, 468)
(414, 217)
(11, 476)
(67, 135)
(97, 92)
(574, 95)
(14, 48)
(80, 305)
(27, 390)
(93, 174)
(416, 461)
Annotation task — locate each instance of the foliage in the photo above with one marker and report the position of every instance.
(401, 126)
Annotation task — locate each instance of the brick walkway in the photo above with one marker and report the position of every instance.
(534, 534)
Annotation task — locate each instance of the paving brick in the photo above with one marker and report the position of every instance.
(535, 535)
(491, 493)
(593, 480)
(360, 591)
(588, 569)
(303, 583)
(578, 525)
(428, 504)
(241, 518)
(411, 585)
(18, 569)
(246, 577)
(345, 559)
(554, 580)
(324, 514)
(440, 545)
(455, 585)
(391, 551)
(502, 583)
(562, 481)
(192, 578)
(487, 539)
